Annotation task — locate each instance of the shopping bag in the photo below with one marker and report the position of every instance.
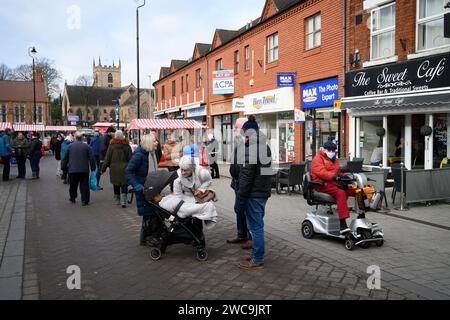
(93, 181)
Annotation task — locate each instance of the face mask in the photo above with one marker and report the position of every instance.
(331, 155)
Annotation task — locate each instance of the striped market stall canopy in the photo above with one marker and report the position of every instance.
(61, 128)
(29, 127)
(164, 124)
(4, 125)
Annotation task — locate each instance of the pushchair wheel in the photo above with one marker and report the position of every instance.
(155, 254)
(380, 243)
(202, 255)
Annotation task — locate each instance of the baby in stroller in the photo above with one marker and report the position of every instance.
(179, 217)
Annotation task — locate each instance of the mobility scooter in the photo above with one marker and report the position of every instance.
(363, 233)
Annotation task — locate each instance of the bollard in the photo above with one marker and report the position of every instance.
(402, 194)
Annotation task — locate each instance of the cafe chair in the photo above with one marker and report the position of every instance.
(291, 178)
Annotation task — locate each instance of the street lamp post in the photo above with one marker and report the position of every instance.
(32, 53)
(138, 73)
(117, 113)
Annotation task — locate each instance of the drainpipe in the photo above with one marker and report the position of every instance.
(344, 69)
(208, 115)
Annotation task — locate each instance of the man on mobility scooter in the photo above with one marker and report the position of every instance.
(325, 169)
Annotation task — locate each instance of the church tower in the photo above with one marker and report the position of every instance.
(107, 76)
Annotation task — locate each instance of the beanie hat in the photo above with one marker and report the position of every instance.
(251, 124)
(111, 130)
(329, 145)
(187, 163)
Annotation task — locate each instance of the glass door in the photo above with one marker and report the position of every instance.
(417, 142)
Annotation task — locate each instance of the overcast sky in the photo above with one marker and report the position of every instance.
(107, 28)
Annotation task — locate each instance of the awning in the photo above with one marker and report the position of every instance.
(29, 127)
(61, 128)
(108, 124)
(163, 124)
(397, 101)
(4, 125)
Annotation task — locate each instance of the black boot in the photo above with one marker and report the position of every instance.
(344, 228)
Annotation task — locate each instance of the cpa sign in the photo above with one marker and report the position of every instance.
(223, 82)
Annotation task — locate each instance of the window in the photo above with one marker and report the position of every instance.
(219, 64)
(110, 78)
(174, 88)
(163, 93)
(313, 32)
(182, 84)
(383, 32)
(187, 83)
(371, 145)
(247, 58)
(198, 76)
(430, 25)
(19, 113)
(272, 45)
(236, 62)
(156, 94)
(3, 113)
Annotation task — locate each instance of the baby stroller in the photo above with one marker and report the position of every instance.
(167, 227)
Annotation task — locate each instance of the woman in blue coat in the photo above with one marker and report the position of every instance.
(142, 163)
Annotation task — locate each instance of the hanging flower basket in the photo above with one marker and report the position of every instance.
(426, 131)
(381, 132)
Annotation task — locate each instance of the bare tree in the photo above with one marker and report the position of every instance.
(86, 83)
(51, 75)
(5, 72)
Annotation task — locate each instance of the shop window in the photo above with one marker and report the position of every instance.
(383, 32)
(396, 139)
(441, 137)
(430, 24)
(2, 113)
(247, 58)
(272, 47)
(371, 145)
(313, 32)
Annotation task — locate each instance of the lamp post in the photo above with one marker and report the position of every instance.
(32, 53)
(117, 113)
(138, 73)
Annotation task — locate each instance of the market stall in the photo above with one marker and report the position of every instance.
(60, 128)
(4, 125)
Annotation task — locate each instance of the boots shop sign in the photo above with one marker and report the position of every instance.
(410, 76)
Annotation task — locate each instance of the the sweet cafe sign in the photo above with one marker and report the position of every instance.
(416, 75)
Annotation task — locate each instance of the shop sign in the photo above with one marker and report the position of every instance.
(223, 82)
(270, 101)
(403, 77)
(300, 116)
(73, 118)
(321, 93)
(286, 79)
(238, 105)
(196, 112)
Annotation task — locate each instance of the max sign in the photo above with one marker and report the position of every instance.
(416, 75)
(320, 93)
(223, 82)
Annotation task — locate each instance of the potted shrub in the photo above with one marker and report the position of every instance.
(426, 131)
(381, 132)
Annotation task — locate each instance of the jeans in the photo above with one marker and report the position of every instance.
(81, 179)
(120, 190)
(6, 167)
(255, 211)
(34, 163)
(99, 172)
(241, 220)
(21, 167)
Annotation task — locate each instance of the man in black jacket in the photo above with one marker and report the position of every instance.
(104, 145)
(243, 236)
(77, 160)
(255, 190)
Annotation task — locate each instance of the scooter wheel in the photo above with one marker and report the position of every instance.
(308, 230)
(202, 255)
(155, 254)
(349, 244)
(379, 243)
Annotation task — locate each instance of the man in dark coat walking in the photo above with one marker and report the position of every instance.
(77, 160)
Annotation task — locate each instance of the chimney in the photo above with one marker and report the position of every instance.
(38, 74)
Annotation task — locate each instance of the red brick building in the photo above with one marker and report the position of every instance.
(17, 102)
(300, 37)
(398, 79)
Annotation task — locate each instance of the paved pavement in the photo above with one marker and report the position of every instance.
(102, 240)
